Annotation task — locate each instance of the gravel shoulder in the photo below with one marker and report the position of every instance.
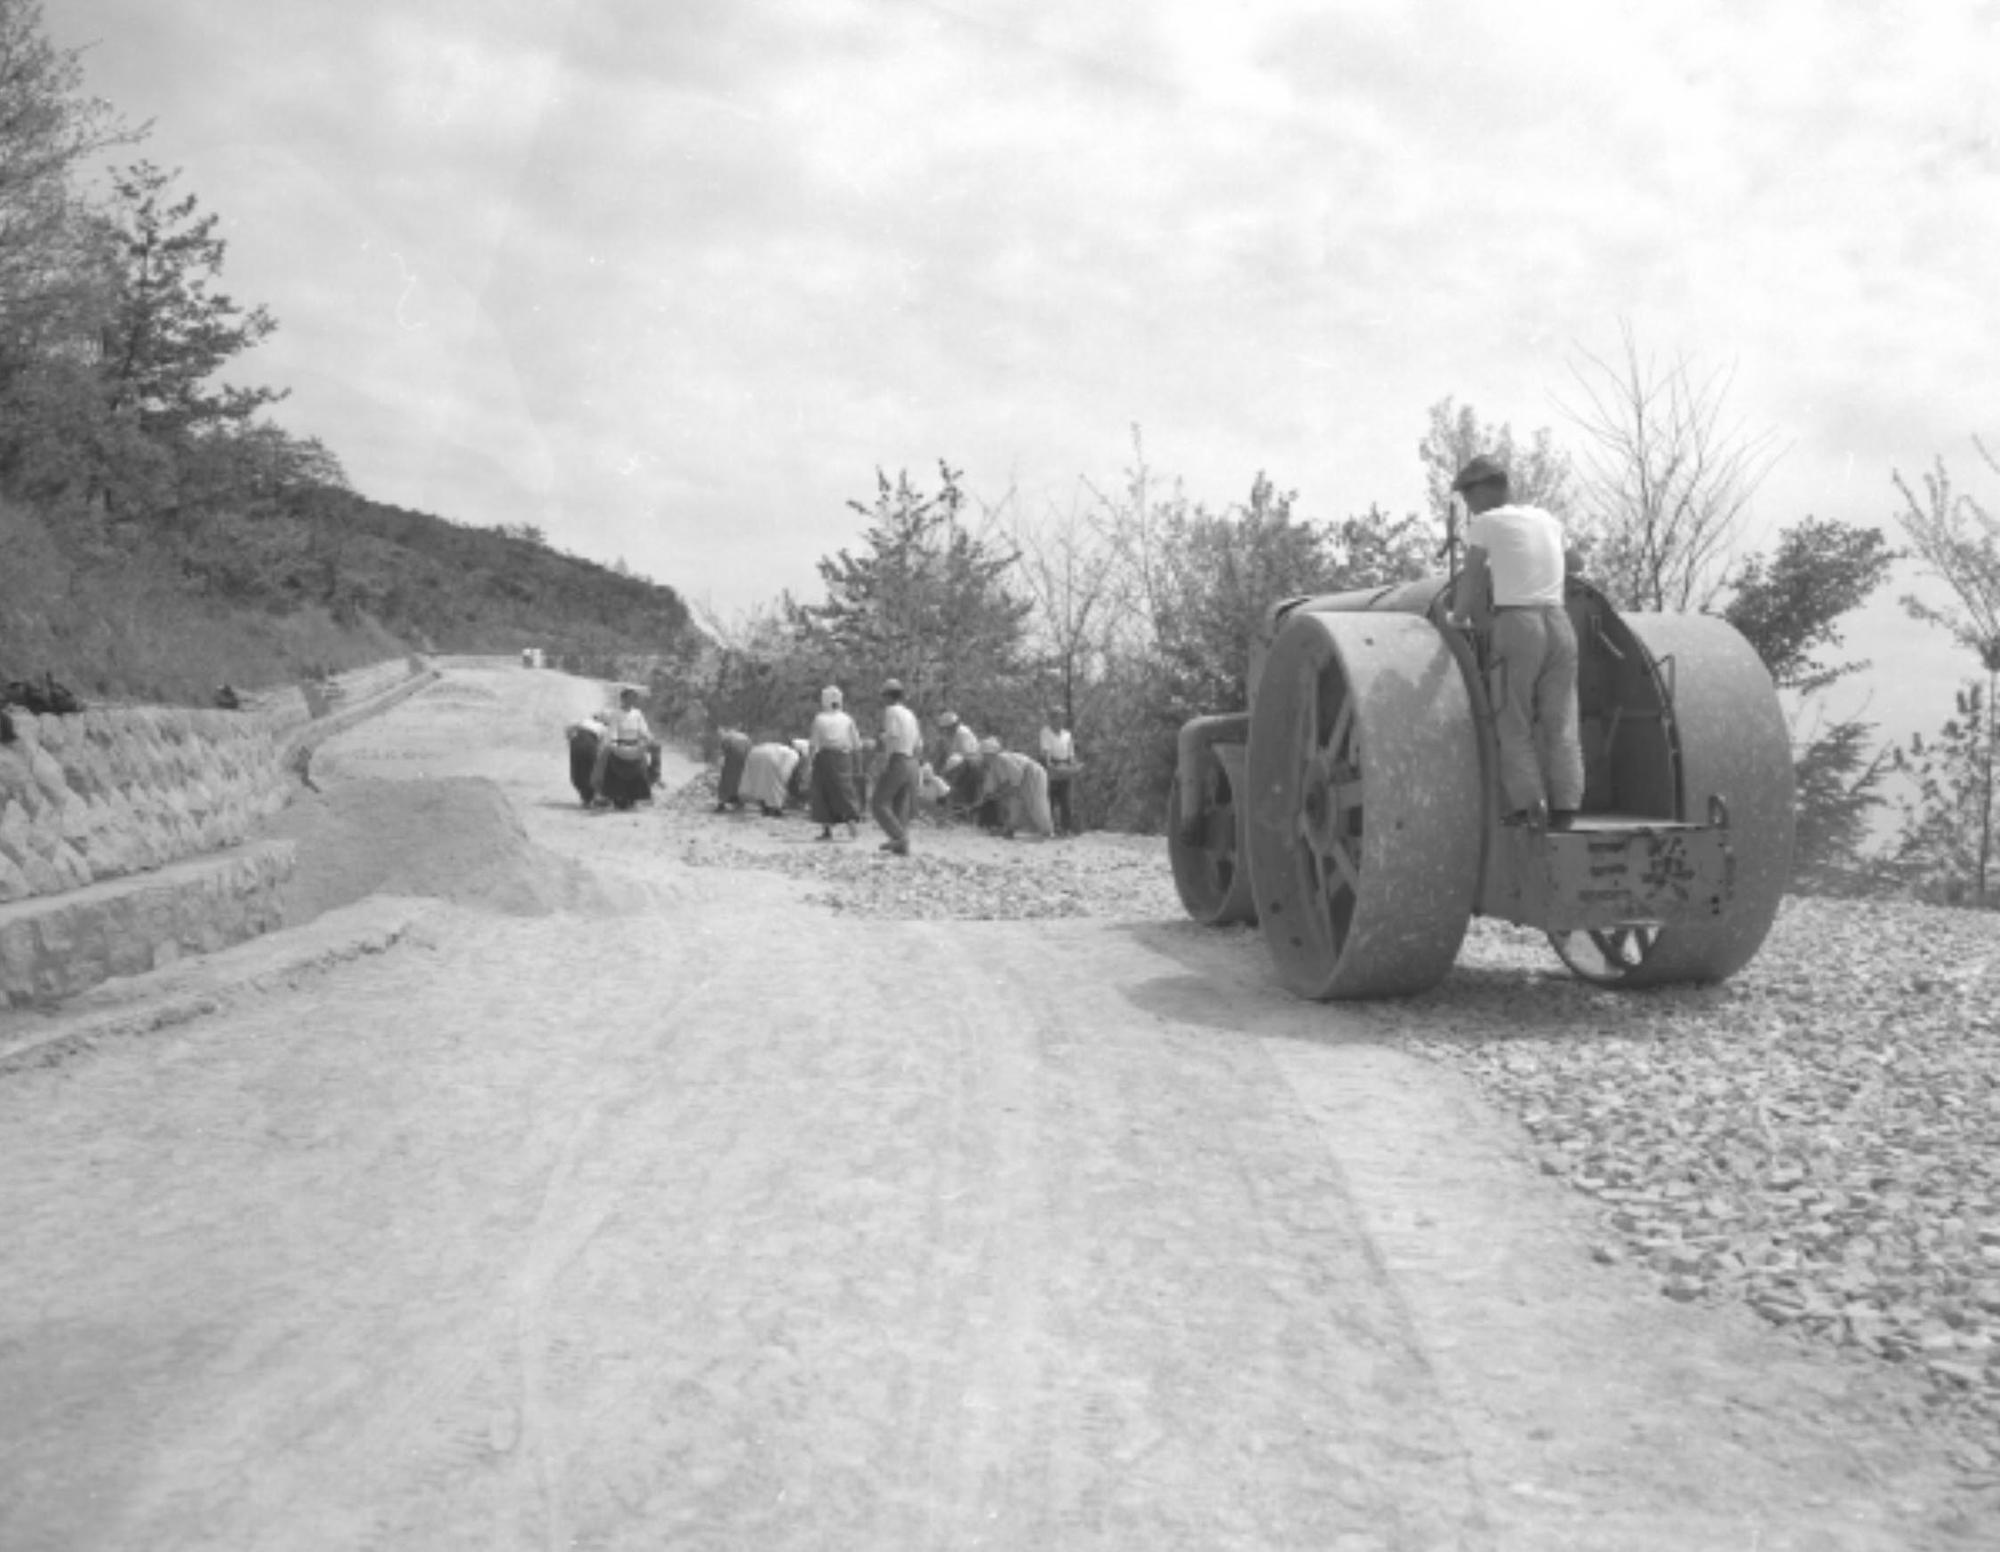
(688, 1182)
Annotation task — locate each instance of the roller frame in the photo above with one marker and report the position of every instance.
(1205, 842)
(1732, 753)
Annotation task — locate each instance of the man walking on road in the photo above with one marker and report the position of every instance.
(1532, 678)
(895, 789)
(1059, 760)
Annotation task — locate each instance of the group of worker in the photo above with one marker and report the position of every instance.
(595, 740)
(838, 772)
(1511, 588)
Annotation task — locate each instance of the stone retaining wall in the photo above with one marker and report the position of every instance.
(108, 793)
(121, 828)
(52, 949)
(104, 794)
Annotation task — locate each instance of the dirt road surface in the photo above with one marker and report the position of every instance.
(640, 1204)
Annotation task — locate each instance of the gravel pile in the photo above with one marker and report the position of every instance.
(1818, 1138)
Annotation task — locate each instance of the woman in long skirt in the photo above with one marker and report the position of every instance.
(836, 750)
(735, 754)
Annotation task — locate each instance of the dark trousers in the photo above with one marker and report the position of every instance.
(895, 795)
(1059, 809)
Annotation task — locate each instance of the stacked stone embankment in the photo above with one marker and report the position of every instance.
(122, 830)
(106, 794)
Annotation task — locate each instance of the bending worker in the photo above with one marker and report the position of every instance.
(1518, 552)
(628, 731)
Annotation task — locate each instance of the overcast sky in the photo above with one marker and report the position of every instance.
(671, 278)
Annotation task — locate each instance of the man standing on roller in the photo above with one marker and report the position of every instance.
(1517, 552)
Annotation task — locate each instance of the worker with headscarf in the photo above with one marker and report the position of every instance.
(960, 766)
(834, 750)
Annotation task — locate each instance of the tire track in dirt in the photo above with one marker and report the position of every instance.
(1256, 1258)
(567, 1220)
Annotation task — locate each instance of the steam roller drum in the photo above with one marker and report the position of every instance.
(1735, 761)
(1210, 874)
(1364, 803)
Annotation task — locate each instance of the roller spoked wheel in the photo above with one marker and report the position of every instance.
(1607, 956)
(1365, 805)
(1210, 872)
(1735, 757)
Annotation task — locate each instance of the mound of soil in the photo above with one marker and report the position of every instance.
(452, 838)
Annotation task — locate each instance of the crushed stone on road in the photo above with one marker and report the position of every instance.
(953, 872)
(1817, 1138)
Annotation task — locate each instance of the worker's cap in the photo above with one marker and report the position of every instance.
(892, 687)
(1479, 472)
(949, 719)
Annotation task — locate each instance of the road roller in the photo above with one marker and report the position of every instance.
(1355, 811)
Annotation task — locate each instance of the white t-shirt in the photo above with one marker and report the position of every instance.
(629, 727)
(899, 730)
(964, 745)
(834, 730)
(1524, 551)
(1058, 746)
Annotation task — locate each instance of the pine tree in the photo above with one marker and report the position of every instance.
(1788, 606)
(171, 332)
(925, 600)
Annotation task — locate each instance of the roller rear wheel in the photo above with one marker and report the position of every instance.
(1734, 751)
(1364, 805)
(1210, 873)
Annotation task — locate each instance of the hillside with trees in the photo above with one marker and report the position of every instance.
(161, 534)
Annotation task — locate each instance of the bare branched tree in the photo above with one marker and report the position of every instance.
(1072, 572)
(1666, 476)
(1134, 522)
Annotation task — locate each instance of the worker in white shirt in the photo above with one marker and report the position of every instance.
(1515, 557)
(893, 798)
(1059, 760)
(961, 755)
(628, 732)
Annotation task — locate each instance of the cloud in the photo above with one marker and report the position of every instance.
(672, 281)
